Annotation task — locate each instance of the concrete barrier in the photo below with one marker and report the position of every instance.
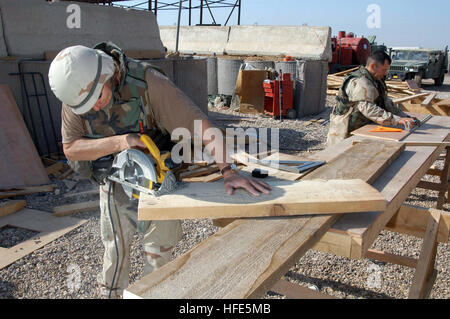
(302, 42)
(200, 40)
(310, 87)
(32, 27)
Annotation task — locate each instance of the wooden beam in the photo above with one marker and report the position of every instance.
(293, 291)
(443, 103)
(246, 258)
(12, 206)
(286, 198)
(75, 208)
(429, 99)
(425, 143)
(27, 191)
(423, 277)
(412, 220)
(408, 98)
(391, 258)
(345, 72)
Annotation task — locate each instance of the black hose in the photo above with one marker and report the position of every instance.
(115, 241)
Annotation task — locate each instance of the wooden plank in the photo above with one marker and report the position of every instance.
(219, 266)
(391, 258)
(429, 99)
(76, 208)
(368, 159)
(20, 163)
(408, 98)
(286, 198)
(12, 206)
(365, 131)
(424, 143)
(48, 226)
(293, 291)
(445, 102)
(243, 260)
(27, 191)
(345, 72)
(425, 266)
(413, 221)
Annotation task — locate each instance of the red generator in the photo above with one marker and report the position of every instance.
(272, 97)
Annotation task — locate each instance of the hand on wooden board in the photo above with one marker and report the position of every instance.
(234, 180)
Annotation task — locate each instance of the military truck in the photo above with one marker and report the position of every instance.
(418, 64)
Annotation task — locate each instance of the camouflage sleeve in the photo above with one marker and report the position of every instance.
(394, 108)
(364, 93)
(377, 114)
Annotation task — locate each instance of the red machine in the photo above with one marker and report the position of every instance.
(272, 97)
(348, 52)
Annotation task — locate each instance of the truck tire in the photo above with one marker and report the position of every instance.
(440, 80)
(418, 79)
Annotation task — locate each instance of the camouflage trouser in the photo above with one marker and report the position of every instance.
(159, 239)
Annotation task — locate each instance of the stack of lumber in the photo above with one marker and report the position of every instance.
(409, 97)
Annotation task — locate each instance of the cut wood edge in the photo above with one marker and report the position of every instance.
(10, 207)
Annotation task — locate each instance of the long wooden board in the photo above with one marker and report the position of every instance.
(20, 164)
(286, 198)
(244, 259)
(365, 131)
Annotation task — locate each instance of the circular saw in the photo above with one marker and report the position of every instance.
(139, 171)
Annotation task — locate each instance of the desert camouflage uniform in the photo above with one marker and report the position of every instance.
(128, 107)
(370, 103)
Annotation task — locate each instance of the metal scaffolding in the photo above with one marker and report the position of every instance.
(157, 5)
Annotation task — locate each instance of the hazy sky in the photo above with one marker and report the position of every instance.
(401, 22)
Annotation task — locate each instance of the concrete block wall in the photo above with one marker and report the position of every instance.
(31, 27)
(302, 42)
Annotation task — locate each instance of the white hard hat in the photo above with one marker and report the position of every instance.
(77, 75)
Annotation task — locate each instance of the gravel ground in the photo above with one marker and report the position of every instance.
(45, 272)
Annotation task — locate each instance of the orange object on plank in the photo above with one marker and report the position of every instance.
(386, 129)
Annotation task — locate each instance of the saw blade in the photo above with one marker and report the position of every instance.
(135, 167)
